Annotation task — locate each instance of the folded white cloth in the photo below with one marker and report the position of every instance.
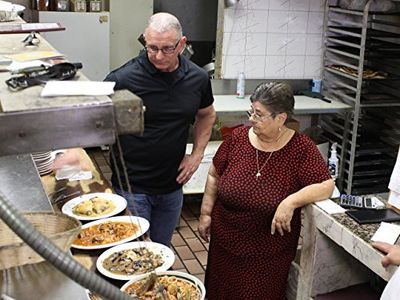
(78, 88)
(394, 184)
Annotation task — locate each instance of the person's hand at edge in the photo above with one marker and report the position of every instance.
(392, 252)
(204, 227)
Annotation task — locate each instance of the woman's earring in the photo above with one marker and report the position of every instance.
(280, 129)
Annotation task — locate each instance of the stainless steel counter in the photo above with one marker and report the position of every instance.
(20, 183)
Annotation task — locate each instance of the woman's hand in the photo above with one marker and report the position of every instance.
(204, 227)
(283, 217)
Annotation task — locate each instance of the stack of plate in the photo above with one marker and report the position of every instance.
(43, 161)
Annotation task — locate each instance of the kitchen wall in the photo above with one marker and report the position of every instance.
(199, 23)
(274, 39)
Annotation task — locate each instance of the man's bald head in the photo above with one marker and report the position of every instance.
(163, 22)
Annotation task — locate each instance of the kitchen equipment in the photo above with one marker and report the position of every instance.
(210, 68)
(9, 12)
(230, 3)
(59, 228)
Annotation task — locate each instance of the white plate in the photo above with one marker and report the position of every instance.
(181, 275)
(119, 202)
(165, 252)
(142, 223)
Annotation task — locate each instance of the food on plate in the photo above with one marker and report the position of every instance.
(163, 287)
(106, 233)
(133, 261)
(93, 207)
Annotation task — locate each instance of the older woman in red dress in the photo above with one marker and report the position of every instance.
(260, 178)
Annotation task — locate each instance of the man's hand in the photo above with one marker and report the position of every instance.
(188, 166)
(392, 253)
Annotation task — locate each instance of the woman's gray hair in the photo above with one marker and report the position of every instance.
(162, 22)
(277, 97)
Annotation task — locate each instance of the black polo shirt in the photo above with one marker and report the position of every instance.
(172, 100)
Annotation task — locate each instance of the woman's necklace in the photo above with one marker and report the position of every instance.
(258, 174)
(262, 167)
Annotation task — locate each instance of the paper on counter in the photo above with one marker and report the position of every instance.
(330, 207)
(34, 55)
(78, 88)
(17, 66)
(394, 183)
(386, 232)
(73, 173)
(82, 175)
(394, 199)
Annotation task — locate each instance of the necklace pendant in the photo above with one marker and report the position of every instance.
(258, 175)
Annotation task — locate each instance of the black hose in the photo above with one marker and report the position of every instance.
(59, 259)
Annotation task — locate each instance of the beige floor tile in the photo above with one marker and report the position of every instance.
(202, 257)
(195, 244)
(177, 240)
(193, 266)
(184, 252)
(193, 224)
(188, 215)
(200, 276)
(177, 264)
(186, 232)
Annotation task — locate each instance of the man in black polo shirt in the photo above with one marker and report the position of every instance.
(175, 92)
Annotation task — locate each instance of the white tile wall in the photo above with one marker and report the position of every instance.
(273, 39)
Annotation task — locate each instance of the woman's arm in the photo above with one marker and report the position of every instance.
(207, 205)
(308, 194)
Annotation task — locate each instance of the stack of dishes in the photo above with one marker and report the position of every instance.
(43, 161)
(144, 264)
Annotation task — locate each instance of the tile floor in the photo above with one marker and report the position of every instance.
(191, 251)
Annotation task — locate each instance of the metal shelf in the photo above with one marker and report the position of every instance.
(338, 50)
(346, 11)
(363, 40)
(350, 31)
(340, 73)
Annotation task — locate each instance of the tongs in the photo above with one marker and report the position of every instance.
(38, 75)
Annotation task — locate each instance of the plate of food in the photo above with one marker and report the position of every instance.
(165, 285)
(127, 261)
(105, 233)
(94, 206)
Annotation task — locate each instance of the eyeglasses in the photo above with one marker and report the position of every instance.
(252, 113)
(164, 50)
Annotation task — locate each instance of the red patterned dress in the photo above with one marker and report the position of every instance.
(245, 261)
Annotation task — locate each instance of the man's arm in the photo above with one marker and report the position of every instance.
(205, 119)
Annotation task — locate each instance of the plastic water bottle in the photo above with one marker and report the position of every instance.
(316, 86)
(333, 162)
(240, 86)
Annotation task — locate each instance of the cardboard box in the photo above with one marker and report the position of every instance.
(293, 124)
